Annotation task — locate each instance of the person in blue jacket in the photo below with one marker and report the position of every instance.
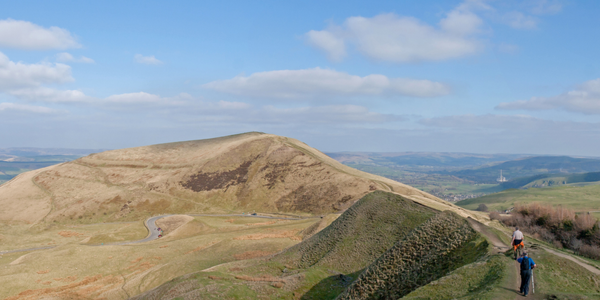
(527, 264)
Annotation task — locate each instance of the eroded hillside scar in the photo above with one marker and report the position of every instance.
(217, 180)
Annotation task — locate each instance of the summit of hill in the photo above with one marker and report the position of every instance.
(250, 172)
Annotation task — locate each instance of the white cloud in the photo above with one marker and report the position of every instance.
(335, 114)
(67, 57)
(6, 107)
(333, 46)
(146, 98)
(18, 75)
(146, 60)
(518, 20)
(584, 99)
(512, 125)
(45, 94)
(28, 36)
(323, 82)
(388, 37)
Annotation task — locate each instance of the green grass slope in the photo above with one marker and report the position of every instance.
(440, 245)
(578, 198)
(320, 267)
(359, 235)
(382, 238)
(546, 180)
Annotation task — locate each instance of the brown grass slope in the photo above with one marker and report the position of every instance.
(442, 244)
(246, 172)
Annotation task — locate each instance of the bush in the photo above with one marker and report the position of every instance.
(557, 244)
(495, 216)
(592, 252)
(482, 207)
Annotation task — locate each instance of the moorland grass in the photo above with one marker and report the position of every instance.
(136, 268)
(479, 280)
(578, 198)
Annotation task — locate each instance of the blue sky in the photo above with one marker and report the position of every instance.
(449, 76)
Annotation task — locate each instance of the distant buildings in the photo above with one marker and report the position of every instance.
(501, 178)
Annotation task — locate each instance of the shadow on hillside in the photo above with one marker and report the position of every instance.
(331, 287)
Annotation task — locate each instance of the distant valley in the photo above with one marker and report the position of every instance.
(459, 176)
(14, 161)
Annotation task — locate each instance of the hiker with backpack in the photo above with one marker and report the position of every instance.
(527, 265)
(517, 240)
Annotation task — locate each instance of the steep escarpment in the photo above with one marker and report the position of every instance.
(440, 245)
(360, 235)
(247, 172)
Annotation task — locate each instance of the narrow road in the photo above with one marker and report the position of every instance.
(24, 250)
(153, 229)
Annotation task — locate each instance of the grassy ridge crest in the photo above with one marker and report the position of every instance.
(442, 244)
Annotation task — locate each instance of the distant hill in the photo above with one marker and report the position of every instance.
(33, 152)
(11, 166)
(579, 198)
(14, 161)
(528, 167)
(240, 173)
(546, 180)
(433, 160)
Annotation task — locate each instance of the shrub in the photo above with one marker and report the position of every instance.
(557, 244)
(495, 216)
(482, 207)
(575, 243)
(592, 252)
(584, 222)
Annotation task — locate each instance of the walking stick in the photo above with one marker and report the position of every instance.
(532, 283)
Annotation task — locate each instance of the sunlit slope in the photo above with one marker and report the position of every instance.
(440, 245)
(578, 198)
(241, 173)
(384, 238)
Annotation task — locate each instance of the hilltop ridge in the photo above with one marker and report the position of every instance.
(239, 173)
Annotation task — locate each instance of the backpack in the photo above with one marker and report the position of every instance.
(525, 264)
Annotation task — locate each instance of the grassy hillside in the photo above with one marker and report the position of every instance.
(241, 173)
(382, 243)
(578, 198)
(319, 267)
(440, 245)
(545, 180)
(13, 166)
(359, 235)
(77, 268)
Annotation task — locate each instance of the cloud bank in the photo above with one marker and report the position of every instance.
(28, 36)
(584, 99)
(286, 84)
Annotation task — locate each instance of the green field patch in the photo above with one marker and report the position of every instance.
(578, 198)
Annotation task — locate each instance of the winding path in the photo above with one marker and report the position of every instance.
(153, 229)
(501, 246)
